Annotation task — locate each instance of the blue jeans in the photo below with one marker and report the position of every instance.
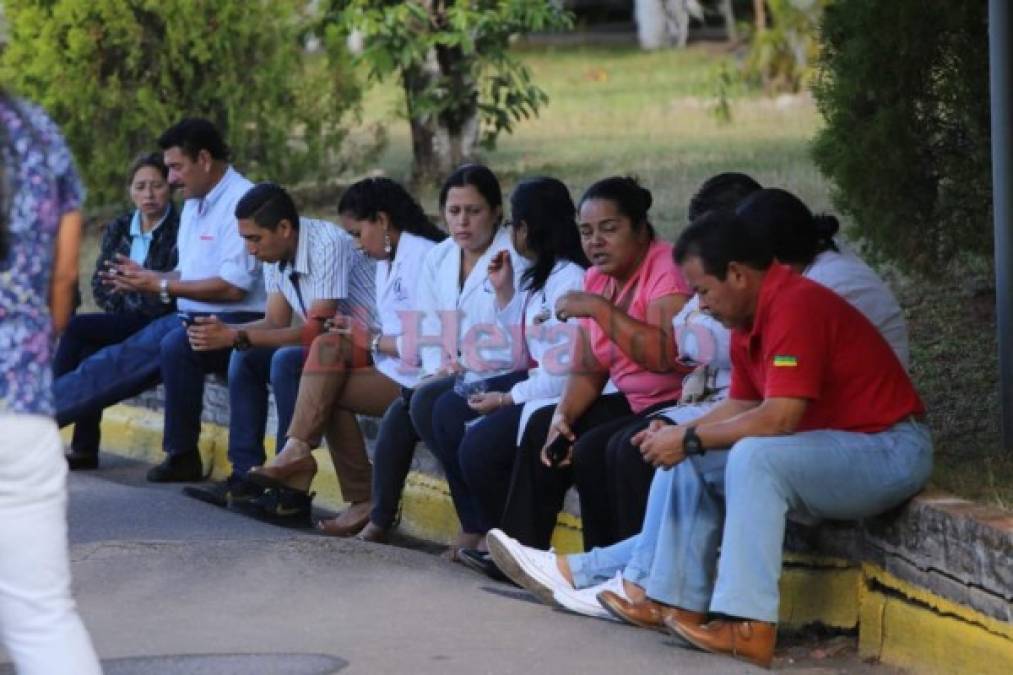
(738, 500)
(183, 371)
(112, 374)
(85, 335)
(249, 374)
(450, 417)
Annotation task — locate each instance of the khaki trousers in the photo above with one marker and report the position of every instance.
(331, 394)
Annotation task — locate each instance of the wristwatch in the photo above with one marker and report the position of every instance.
(691, 443)
(242, 341)
(163, 291)
(374, 344)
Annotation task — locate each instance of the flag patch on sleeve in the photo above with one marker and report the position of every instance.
(785, 361)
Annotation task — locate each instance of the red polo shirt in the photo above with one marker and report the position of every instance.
(808, 342)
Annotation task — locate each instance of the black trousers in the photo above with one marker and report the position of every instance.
(536, 491)
(612, 479)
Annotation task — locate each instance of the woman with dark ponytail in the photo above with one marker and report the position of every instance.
(624, 314)
(40, 232)
(363, 374)
(806, 242)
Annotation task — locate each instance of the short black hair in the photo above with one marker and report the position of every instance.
(722, 191)
(192, 135)
(796, 236)
(267, 204)
(720, 237)
(631, 199)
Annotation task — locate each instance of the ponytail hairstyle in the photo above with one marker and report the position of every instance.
(722, 191)
(630, 198)
(795, 234)
(546, 209)
(365, 200)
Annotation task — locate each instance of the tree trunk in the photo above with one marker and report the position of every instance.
(442, 141)
(760, 11)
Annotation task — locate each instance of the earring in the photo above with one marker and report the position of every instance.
(387, 248)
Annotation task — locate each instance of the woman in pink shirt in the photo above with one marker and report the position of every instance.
(631, 293)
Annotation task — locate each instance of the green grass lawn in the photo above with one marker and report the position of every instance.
(618, 110)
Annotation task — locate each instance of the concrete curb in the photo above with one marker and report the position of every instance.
(912, 586)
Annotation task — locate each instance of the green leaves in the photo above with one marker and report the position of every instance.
(115, 73)
(461, 51)
(903, 86)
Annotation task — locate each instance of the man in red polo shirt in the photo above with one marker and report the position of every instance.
(821, 419)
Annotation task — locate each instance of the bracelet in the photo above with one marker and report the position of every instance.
(163, 291)
(501, 397)
(374, 344)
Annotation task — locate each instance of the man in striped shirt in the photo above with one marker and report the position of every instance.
(313, 270)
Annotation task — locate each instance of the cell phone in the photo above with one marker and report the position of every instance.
(558, 450)
(186, 318)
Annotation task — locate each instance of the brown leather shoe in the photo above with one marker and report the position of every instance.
(297, 474)
(645, 613)
(751, 641)
(374, 533)
(348, 523)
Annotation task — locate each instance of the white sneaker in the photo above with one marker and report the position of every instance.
(585, 600)
(527, 567)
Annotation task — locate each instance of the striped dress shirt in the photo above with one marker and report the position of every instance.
(327, 266)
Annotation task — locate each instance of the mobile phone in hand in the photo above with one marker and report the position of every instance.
(558, 450)
(186, 318)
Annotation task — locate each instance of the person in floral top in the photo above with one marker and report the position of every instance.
(40, 231)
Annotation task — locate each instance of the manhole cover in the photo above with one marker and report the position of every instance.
(219, 664)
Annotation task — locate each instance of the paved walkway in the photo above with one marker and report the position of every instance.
(167, 584)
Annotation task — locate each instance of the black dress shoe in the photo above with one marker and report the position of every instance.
(233, 492)
(283, 506)
(80, 461)
(481, 561)
(184, 468)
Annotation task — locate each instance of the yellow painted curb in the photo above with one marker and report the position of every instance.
(906, 626)
(899, 623)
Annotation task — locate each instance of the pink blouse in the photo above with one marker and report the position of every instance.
(657, 277)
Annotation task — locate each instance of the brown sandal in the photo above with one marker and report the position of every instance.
(296, 475)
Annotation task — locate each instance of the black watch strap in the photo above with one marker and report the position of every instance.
(691, 443)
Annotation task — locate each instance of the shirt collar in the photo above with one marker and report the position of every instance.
(301, 264)
(776, 278)
(209, 200)
(135, 223)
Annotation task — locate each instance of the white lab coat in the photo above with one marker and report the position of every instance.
(456, 322)
(397, 292)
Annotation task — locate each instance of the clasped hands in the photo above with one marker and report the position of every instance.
(661, 443)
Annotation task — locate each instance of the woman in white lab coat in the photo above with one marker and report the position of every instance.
(454, 336)
(478, 463)
(340, 380)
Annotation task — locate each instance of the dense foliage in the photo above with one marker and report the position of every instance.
(904, 89)
(461, 83)
(115, 73)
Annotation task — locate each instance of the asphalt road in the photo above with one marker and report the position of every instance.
(170, 585)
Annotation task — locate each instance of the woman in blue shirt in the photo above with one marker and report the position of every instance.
(146, 235)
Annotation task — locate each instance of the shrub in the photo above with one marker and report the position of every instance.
(903, 86)
(115, 73)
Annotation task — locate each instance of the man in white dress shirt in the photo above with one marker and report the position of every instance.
(313, 271)
(215, 274)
